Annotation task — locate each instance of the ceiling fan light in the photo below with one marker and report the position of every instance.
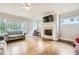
(27, 8)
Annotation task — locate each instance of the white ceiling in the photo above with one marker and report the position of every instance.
(37, 9)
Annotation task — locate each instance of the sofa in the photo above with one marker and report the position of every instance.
(14, 35)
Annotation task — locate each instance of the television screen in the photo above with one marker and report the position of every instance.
(48, 18)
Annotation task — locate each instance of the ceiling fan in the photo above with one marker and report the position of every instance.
(26, 6)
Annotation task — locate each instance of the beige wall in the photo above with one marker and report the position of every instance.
(10, 16)
(70, 31)
(31, 26)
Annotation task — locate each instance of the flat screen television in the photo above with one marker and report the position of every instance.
(48, 18)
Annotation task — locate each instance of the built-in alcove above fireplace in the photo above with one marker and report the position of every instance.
(48, 32)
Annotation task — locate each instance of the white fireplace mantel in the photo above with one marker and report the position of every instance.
(54, 26)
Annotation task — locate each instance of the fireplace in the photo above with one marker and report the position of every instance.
(48, 32)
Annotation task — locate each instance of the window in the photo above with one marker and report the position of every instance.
(6, 25)
(77, 19)
(70, 21)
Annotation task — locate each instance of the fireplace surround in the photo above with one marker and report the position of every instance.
(50, 30)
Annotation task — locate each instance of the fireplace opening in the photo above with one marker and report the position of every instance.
(48, 32)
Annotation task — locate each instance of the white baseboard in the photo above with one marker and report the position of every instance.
(64, 38)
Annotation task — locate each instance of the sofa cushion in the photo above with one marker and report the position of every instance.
(15, 36)
(14, 32)
(19, 32)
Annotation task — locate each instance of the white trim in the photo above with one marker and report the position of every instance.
(64, 38)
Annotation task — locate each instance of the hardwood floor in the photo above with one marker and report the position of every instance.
(38, 46)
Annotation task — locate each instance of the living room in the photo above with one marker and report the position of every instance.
(26, 30)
